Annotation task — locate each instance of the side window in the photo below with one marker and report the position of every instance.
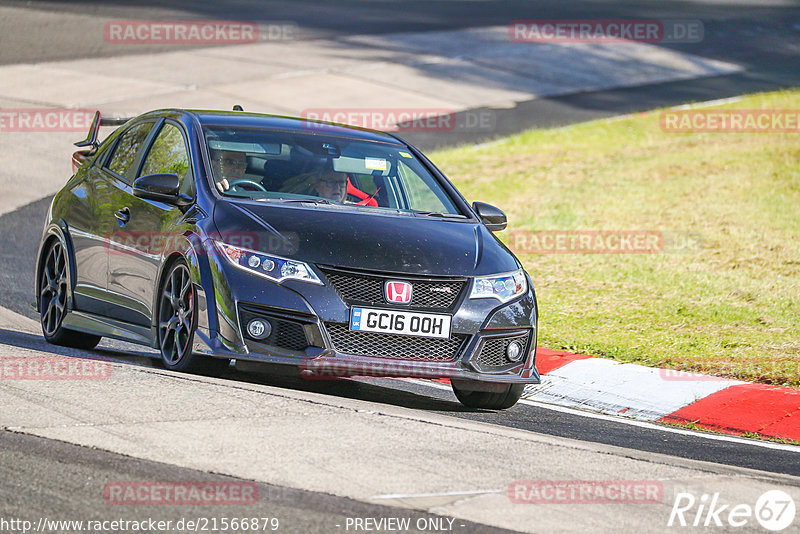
(128, 146)
(169, 155)
(420, 194)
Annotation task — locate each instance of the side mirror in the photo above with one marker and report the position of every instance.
(494, 219)
(162, 188)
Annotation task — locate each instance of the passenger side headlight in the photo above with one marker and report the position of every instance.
(273, 267)
(503, 287)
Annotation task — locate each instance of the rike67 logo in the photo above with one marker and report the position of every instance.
(774, 510)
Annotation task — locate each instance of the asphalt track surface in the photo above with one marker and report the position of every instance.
(435, 397)
(763, 38)
(77, 493)
(762, 35)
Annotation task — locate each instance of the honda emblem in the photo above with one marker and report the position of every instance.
(397, 292)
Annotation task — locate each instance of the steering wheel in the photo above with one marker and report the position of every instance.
(247, 181)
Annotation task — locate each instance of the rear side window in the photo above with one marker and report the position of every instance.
(169, 155)
(128, 146)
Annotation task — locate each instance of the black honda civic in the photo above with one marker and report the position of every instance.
(327, 249)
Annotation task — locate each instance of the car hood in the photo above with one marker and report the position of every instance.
(359, 240)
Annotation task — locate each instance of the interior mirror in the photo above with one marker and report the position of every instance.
(162, 188)
(493, 218)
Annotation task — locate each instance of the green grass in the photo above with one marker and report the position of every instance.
(730, 307)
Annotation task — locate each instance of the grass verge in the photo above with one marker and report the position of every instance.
(725, 302)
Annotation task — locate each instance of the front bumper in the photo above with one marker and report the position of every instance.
(310, 313)
(330, 364)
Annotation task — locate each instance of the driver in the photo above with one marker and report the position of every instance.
(227, 165)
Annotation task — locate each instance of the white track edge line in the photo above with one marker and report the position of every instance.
(445, 494)
(640, 424)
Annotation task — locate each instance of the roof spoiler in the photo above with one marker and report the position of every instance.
(94, 128)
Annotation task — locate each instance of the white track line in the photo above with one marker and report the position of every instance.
(445, 494)
(641, 424)
(679, 107)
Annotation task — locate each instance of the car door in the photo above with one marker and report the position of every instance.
(133, 267)
(91, 236)
(117, 174)
(88, 242)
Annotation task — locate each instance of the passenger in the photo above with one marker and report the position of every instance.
(332, 185)
(324, 183)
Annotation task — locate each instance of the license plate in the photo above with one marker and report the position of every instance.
(400, 322)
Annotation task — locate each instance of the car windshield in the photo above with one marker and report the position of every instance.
(298, 167)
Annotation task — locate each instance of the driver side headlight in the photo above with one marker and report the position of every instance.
(274, 268)
(503, 287)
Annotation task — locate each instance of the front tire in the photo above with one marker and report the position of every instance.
(177, 321)
(486, 400)
(53, 288)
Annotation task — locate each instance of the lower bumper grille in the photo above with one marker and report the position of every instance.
(395, 346)
(286, 333)
(493, 351)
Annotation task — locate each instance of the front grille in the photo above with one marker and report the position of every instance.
(286, 334)
(363, 288)
(493, 351)
(394, 346)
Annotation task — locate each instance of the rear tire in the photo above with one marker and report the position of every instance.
(489, 400)
(53, 288)
(177, 322)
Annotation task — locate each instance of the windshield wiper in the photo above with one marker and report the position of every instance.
(439, 214)
(300, 200)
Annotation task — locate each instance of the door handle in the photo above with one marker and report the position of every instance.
(123, 216)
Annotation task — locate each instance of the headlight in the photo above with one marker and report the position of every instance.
(502, 287)
(272, 267)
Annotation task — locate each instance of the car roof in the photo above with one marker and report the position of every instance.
(243, 119)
